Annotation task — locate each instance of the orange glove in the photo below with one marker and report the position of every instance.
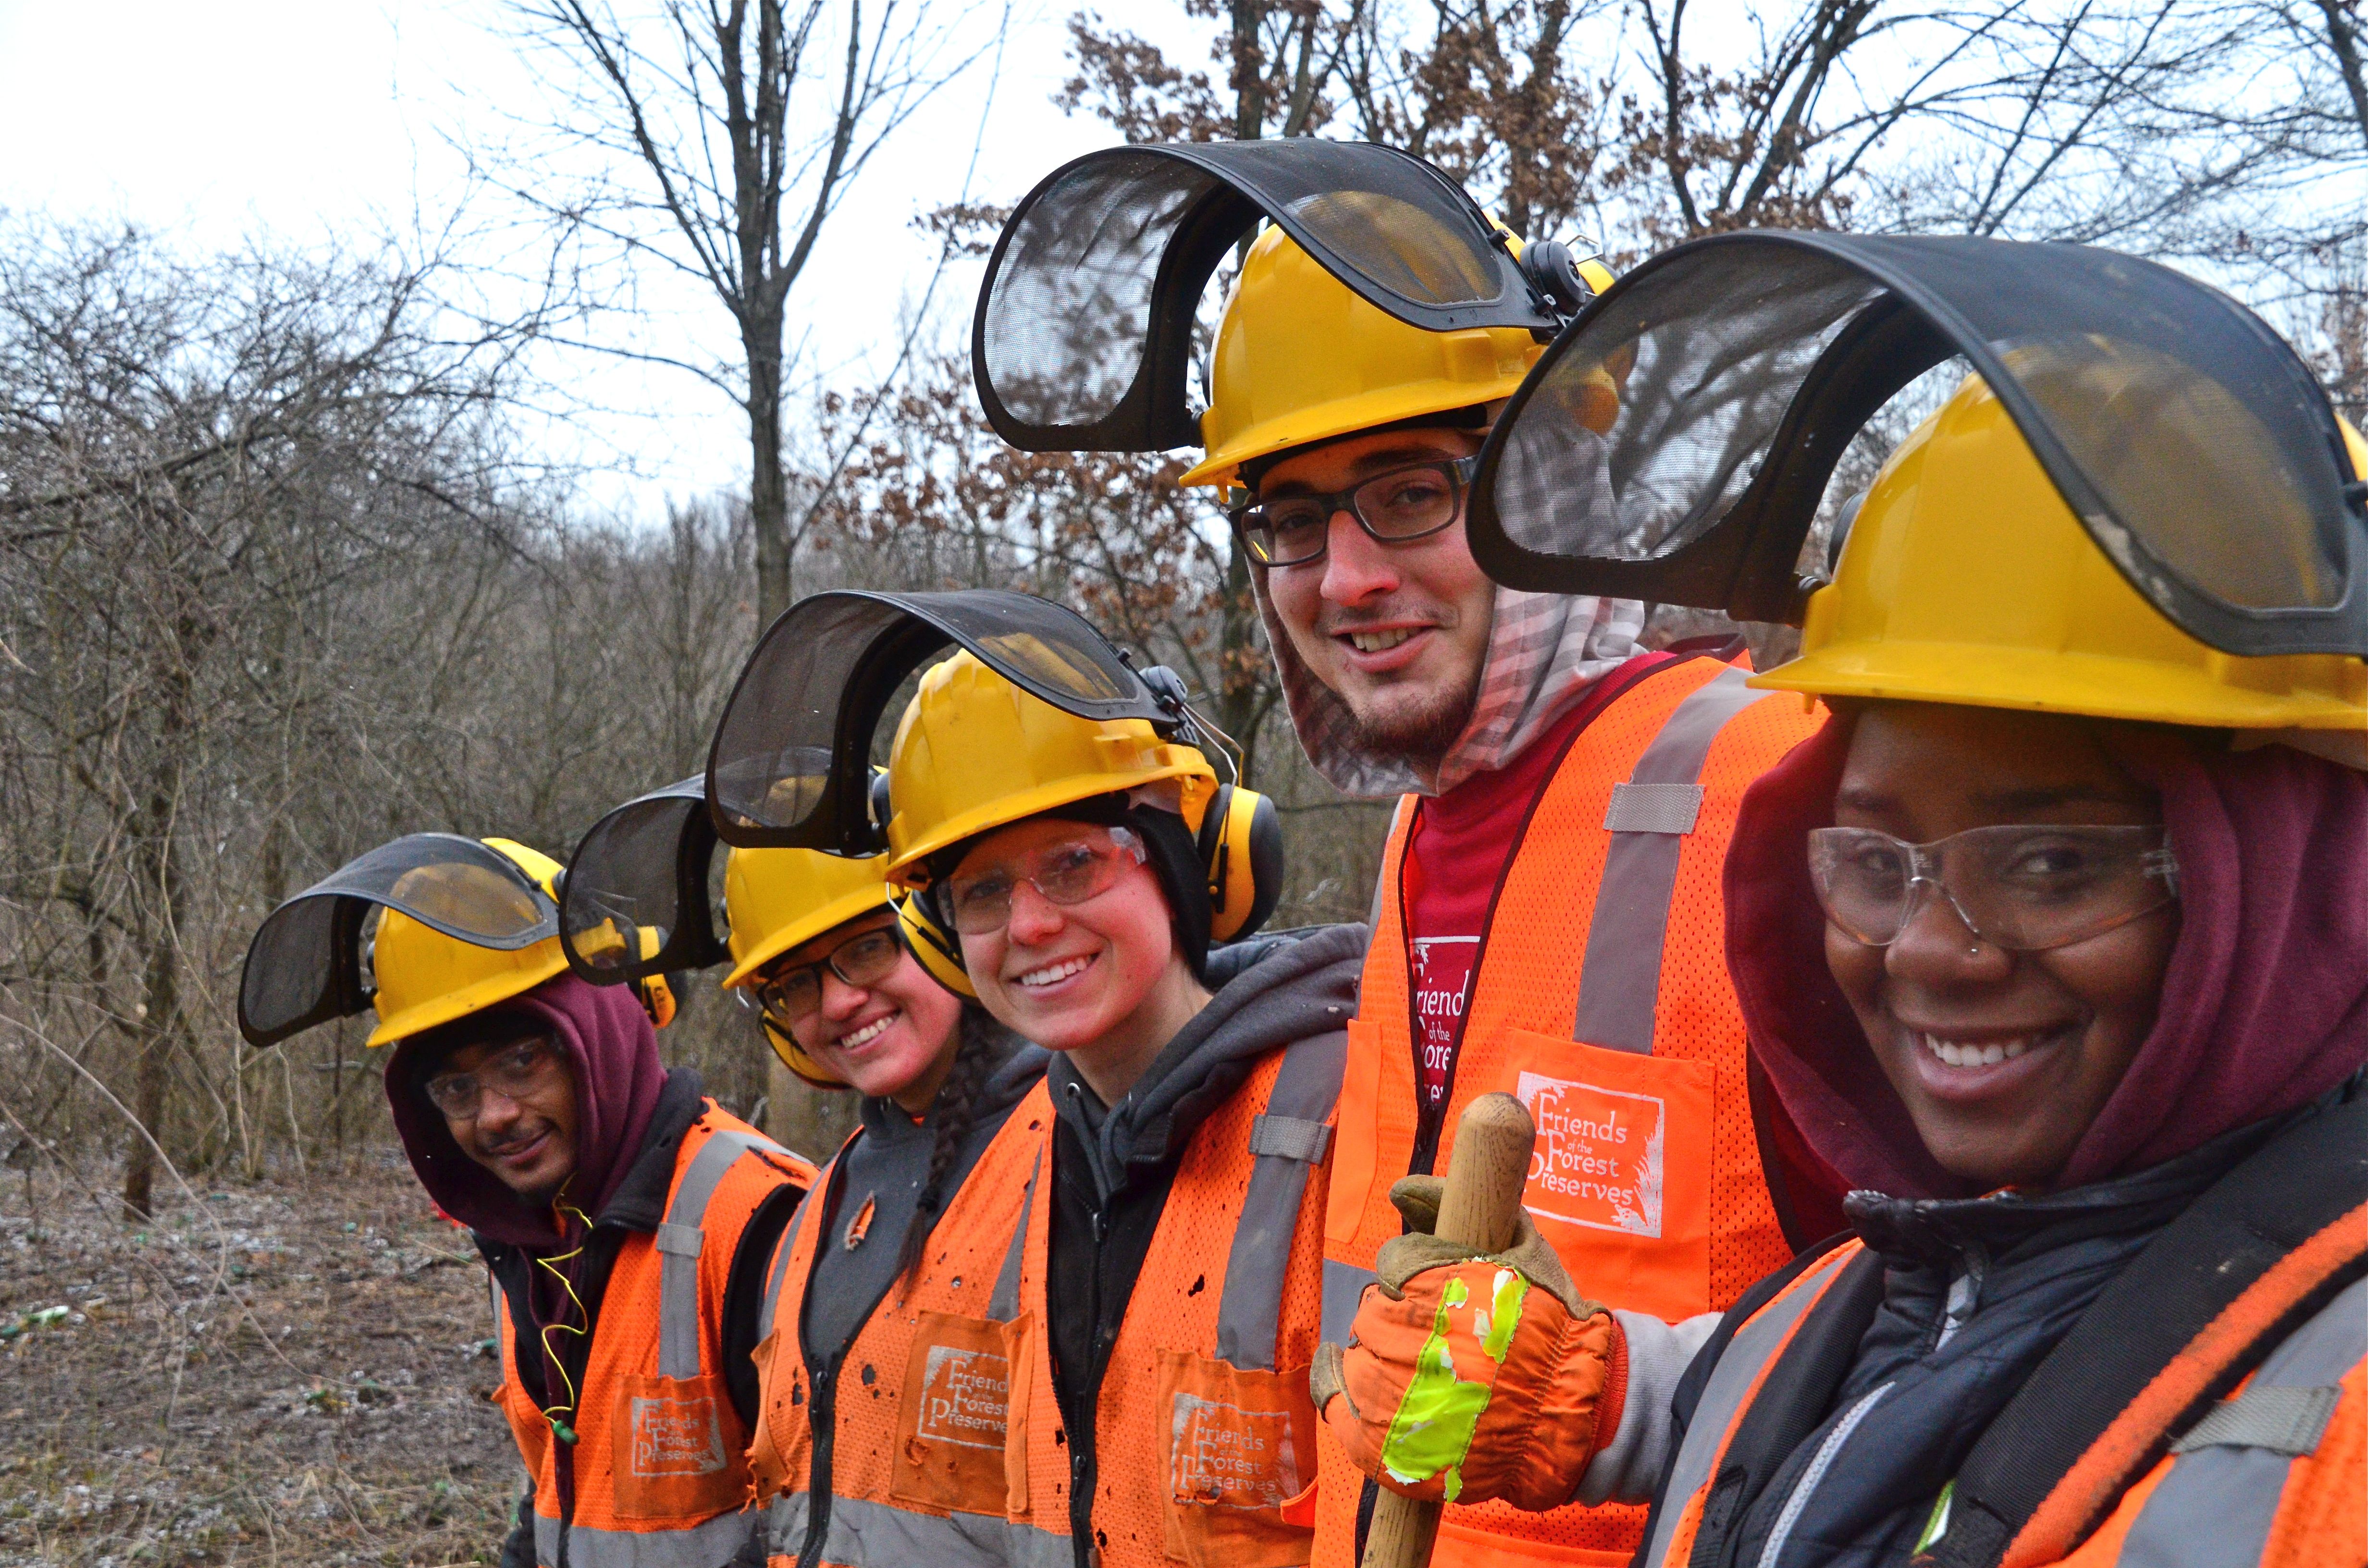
(1472, 1378)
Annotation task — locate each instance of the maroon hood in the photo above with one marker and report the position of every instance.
(614, 1054)
(2264, 1005)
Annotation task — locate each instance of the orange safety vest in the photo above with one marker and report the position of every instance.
(659, 1475)
(1203, 1422)
(2276, 1475)
(914, 1460)
(1599, 997)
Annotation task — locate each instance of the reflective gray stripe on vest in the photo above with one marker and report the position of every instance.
(1289, 1141)
(1383, 885)
(1722, 1397)
(1002, 1303)
(678, 1243)
(1344, 1287)
(1649, 817)
(710, 1543)
(2284, 1421)
(2216, 1504)
(874, 1535)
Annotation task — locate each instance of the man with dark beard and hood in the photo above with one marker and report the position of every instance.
(1549, 918)
(625, 1217)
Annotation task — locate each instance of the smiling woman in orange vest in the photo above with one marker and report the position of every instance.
(626, 1218)
(911, 1215)
(913, 1218)
(2052, 943)
(1168, 1279)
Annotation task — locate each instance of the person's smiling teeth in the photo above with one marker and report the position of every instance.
(1051, 972)
(1380, 641)
(1988, 1053)
(868, 1032)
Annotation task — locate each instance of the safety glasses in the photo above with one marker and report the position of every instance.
(792, 996)
(1402, 505)
(2028, 888)
(1067, 872)
(515, 1073)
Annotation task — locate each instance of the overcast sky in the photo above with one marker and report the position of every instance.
(324, 118)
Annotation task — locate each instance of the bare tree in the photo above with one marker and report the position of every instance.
(1495, 94)
(191, 454)
(1276, 61)
(724, 135)
(275, 587)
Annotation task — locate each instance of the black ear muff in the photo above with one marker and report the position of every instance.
(935, 946)
(879, 804)
(1241, 848)
(1553, 270)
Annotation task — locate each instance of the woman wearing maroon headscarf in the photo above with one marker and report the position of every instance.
(2053, 944)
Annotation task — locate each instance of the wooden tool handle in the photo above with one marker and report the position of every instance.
(1485, 1174)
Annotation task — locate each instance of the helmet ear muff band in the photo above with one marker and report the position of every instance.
(794, 1058)
(1240, 845)
(937, 948)
(656, 997)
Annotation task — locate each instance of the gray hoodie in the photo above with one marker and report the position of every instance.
(1268, 992)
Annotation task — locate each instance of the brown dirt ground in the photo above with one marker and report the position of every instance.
(293, 1371)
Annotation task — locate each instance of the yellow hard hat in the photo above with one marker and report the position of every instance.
(1967, 579)
(776, 899)
(1301, 356)
(974, 752)
(425, 978)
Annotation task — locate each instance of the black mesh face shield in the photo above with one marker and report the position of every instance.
(635, 903)
(304, 965)
(1083, 340)
(790, 765)
(2190, 441)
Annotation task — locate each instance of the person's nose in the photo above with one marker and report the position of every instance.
(1938, 948)
(1356, 566)
(841, 1001)
(496, 1113)
(1034, 917)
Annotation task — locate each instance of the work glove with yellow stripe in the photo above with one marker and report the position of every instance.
(1469, 1378)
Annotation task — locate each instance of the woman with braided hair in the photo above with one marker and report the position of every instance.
(920, 1182)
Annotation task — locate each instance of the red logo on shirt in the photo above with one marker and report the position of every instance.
(1442, 983)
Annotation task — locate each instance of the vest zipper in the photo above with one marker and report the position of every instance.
(822, 1379)
(1085, 1455)
(822, 1414)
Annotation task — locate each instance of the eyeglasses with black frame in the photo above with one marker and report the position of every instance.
(1393, 508)
(795, 994)
(514, 1072)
